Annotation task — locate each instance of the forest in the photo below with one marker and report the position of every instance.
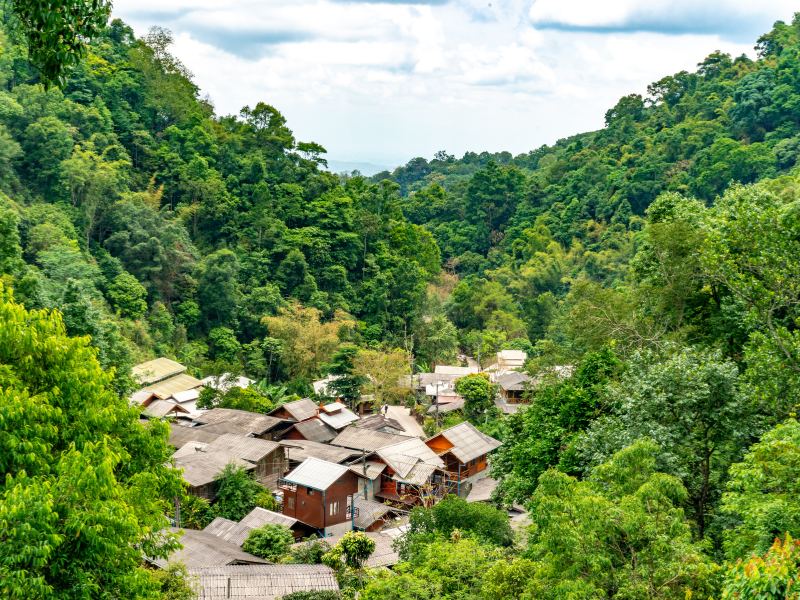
(658, 256)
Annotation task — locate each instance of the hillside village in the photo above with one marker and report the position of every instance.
(330, 469)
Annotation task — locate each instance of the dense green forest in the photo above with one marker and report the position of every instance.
(660, 256)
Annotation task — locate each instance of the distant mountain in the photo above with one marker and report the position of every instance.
(365, 168)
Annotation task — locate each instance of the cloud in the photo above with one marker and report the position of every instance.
(737, 19)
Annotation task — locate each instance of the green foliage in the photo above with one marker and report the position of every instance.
(84, 483)
(310, 552)
(620, 533)
(317, 595)
(478, 393)
(454, 514)
(237, 493)
(775, 575)
(175, 583)
(57, 34)
(352, 550)
(269, 541)
(763, 493)
(127, 296)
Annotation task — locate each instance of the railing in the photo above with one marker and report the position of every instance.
(350, 514)
(287, 485)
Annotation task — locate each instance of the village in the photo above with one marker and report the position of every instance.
(330, 468)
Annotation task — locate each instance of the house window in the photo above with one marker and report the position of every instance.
(333, 508)
(310, 491)
(290, 502)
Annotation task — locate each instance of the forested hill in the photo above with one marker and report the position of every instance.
(160, 228)
(496, 216)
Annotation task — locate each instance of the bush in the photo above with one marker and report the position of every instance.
(270, 541)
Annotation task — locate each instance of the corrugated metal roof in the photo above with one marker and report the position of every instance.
(237, 533)
(179, 435)
(333, 407)
(232, 420)
(186, 395)
(299, 450)
(161, 408)
(513, 381)
(201, 468)
(202, 549)
(402, 457)
(261, 582)
(419, 474)
(315, 430)
(369, 512)
(156, 370)
(178, 383)
(366, 439)
(380, 423)
(373, 469)
(468, 442)
(300, 410)
(340, 419)
(189, 448)
(316, 473)
(246, 448)
(447, 407)
(455, 370)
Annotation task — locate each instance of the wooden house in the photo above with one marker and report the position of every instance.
(464, 451)
(511, 386)
(412, 474)
(313, 430)
(296, 411)
(320, 494)
(242, 422)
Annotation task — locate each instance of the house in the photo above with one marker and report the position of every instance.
(337, 416)
(382, 423)
(153, 408)
(464, 451)
(202, 549)
(296, 411)
(371, 515)
(314, 430)
(298, 451)
(413, 473)
(231, 420)
(226, 382)
(165, 379)
(237, 532)
(512, 385)
(203, 461)
(322, 387)
(366, 439)
(455, 370)
(200, 469)
(261, 582)
(509, 360)
(369, 472)
(320, 494)
(446, 402)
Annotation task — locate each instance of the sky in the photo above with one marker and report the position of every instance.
(384, 81)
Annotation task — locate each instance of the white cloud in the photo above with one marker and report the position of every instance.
(382, 82)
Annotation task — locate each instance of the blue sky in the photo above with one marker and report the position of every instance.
(384, 81)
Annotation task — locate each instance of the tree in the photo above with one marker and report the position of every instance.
(773, 576)
(175, 583)
(383, 373)
(478, 393)
(83, 481)
(436, 340)
(128, 296)
(763, 493)
(347, 384)
(57, 34)
(269, 541)
(620, 533)
(354, 549)
(690, 402)
(218, 289)
(237, 493)
(307, 342)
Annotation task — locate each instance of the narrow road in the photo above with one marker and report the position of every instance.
(403, 416)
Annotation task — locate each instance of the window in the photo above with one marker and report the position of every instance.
(290, 502)
(310, 491)
(333, 508)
